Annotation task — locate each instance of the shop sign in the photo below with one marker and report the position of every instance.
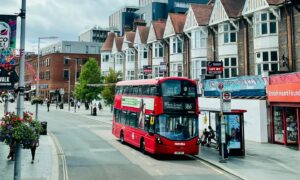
(284, 92)
(241, 86)
(215, 67)
(147, 69)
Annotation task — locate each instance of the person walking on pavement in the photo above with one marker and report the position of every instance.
(78, 104)
(211, 135)
(34, 145)
(48, 105)
(100, 106)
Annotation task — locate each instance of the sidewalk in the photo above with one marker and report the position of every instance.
(262, 161)
(45, 166)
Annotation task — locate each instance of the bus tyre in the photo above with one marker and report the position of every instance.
(142, 146)
(122, 138)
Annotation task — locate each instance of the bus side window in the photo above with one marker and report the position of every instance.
(123, 117)
(117, 115)
(126, 88)
(140, 90)
(133, 119)
(130, 90)
(153, 90)
(135, 90)
(146, 90)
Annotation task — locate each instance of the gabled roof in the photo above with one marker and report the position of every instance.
(119, 42)
(178, 21)
(202, 13)
(159, 28)
(233, 8)
(143, 32)
(275, 2)
(130, 38)
(108, 44)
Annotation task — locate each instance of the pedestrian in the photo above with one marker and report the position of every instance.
(211, 135)
(78, 104)
(33, 147)
(12, 150)
(48, 105)
(204, 137)
(100, 106)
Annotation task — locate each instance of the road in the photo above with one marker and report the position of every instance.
(88, 150)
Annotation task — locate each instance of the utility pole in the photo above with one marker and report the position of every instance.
(69, 88)
(75, 79)
(20, 103)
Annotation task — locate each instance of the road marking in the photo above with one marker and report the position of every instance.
(61, 154)
(102, 150)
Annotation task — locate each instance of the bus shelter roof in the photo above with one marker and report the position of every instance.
(233, 111)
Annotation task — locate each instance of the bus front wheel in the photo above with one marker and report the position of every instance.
(122, 138)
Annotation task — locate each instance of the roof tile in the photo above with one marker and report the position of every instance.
(159, 28)
(178, 21)
(108, 44)
(202, 13)
(233, 8)
(144, 31)
(119, 42)
(130, 38)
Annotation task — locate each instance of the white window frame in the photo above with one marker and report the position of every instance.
(119, 59)
(130, 75)
(156, 72)
(199, 39)
(157, 47)
(258, 23)
(142, 51)
(198, 68)
(230, 67)
(260, 63)
(176, 45)
(227, 29)
(174, 71)
(130, 56)
(105, 58)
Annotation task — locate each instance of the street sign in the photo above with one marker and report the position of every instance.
(147, 69)
(226, 96)
(215, 67)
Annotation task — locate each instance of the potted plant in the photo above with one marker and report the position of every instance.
(37, 100)
(15, 129)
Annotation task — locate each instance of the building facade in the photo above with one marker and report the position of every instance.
(96, 34)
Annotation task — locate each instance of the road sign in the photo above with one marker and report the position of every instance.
(215, 67)
(226, 96)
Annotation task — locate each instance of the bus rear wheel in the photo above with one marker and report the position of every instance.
(142, 146)
(122, 138)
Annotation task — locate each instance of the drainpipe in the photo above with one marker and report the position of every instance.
(246, 48)
(290, 29)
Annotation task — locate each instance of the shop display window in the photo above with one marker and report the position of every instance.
(278, 124)
(291, 125)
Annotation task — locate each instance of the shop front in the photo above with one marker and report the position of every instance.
(284, 100)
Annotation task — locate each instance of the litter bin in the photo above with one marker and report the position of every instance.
(94, 111)
(44, 128)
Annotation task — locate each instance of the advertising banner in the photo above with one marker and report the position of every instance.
(135, 102)
(241, 86)
(8, 53)
(233, 131)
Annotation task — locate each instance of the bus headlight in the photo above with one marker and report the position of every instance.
(158, 140)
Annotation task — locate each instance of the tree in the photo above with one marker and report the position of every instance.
(90, 74)
(108, 92)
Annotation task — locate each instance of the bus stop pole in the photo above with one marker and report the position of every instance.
(223, 140)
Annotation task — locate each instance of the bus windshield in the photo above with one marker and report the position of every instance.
(178, 88)
(177, 127)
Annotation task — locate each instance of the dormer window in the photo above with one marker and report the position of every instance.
(228, 33)
(265, 24)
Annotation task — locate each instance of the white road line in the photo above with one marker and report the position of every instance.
(60, 152)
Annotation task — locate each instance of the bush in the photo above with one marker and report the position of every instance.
(37, 100)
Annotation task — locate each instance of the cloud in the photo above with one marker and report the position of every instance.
(63, 18)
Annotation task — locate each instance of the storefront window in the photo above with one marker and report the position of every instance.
(278, 124)
(291, 125)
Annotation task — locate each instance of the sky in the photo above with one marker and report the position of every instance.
(65, 19)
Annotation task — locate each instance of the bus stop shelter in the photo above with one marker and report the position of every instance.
(234, 125)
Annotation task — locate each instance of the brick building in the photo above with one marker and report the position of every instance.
(54, 73)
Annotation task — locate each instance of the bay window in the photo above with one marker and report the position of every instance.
(265, 24)
(177, 45)
(176, 70)
(198, 68)
(228, 33)
(130, 75)
(199, 39)
(267, 61)
(157, 50)
(157, 72)
(230, 67)
(130, 56)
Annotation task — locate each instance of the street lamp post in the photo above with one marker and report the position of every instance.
(38, 73)
(75, 79)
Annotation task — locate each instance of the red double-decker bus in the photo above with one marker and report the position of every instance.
(159, 116)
